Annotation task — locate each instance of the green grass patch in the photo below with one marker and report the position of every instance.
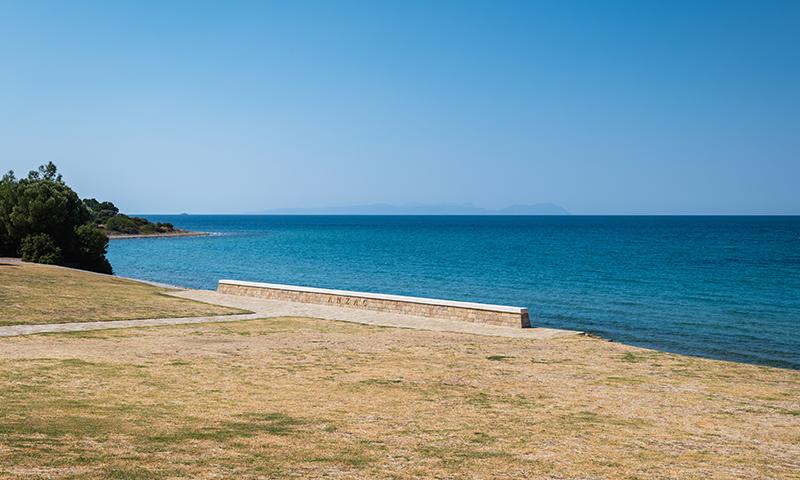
(498, 358)
(245, 426)
(382, 381)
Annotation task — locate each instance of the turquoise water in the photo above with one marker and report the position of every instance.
(720, 287)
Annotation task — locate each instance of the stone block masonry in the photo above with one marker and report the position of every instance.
(421, 307)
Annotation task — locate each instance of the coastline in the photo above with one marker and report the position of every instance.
(126, 236)
(452, 404)
(602, 282)
(211, 297)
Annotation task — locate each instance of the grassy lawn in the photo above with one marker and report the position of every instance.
(35, 294)
(303, 398)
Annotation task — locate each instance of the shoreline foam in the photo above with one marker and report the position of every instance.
(126, 236)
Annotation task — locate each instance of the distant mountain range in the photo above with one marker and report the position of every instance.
(422, 209)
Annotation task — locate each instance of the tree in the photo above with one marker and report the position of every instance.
(101, 211)
(39, 248)
(7, 199)
(45, 213)
(92, 247)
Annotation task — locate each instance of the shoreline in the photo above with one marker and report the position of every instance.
(131, 236)
(451, 405)
(176, 287)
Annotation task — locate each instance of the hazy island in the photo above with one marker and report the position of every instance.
(422, 209)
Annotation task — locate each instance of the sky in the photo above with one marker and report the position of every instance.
(680, 107)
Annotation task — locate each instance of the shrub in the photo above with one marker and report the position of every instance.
(40, 248)
(135, 225)
(123, 224)
(92, 244)
(101, 211)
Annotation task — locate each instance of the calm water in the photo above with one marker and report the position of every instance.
(721, 287)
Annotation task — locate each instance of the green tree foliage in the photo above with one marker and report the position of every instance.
(46, 215)
(7, 200)
(122, 223)
(107, 216)
(100, 211)
(39, 248)
(91, 248)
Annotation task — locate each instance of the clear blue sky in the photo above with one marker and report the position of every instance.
(600, 107)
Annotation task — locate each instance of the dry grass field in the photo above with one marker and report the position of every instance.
(35, 294)
(305, 398)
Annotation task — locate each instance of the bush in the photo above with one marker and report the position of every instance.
(91, 248)
(40, 248)
(101, 211)
(136, 225)
(123, 224)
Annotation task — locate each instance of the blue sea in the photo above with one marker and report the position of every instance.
(718, 287)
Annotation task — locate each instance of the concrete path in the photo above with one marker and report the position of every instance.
(16, 330)
(277, 308)
(274, 308)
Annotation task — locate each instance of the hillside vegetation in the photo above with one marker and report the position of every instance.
(106, 216)
(43, 220)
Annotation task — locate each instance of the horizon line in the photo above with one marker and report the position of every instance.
(478, 214)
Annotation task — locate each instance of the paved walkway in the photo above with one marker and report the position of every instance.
(16, 330)
(274, 308)
(277, 308)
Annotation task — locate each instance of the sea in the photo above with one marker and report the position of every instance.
(719, 287)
